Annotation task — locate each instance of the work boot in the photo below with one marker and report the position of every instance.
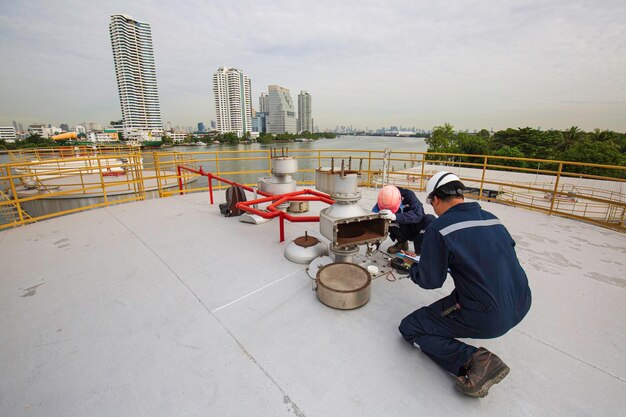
(392, 250)
(482, 371)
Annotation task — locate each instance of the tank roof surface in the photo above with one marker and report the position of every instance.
(166, 308)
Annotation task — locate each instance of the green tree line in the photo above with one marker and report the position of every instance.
(603, 147)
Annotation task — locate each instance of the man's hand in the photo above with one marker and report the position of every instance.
(387, 214)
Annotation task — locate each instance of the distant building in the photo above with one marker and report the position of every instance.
(305, 120)
(282, 115)
(259, 122)
(233, 105)
(106, 136)
(177, 137)
(264, 104)
(92, 126)
(64, 127)
(16, 127)
(213, 125)
(40, 130)
(133, 56)
(80, 129)
(8, 133)
(200, 127)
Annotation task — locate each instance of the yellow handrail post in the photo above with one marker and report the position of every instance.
(138, 169)
(556, 187)
(104, 189)
(157, 170)
(82, 181)
(15, 196)
(423, 168)
(482, 180)
(369, 169)
(217, 164)
(319, 159)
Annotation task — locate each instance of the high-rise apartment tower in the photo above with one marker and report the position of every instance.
(264, 104)
(282, 115)
(305, 120)
(233, 105)
(136, 74)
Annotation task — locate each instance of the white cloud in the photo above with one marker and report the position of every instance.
(366, 63)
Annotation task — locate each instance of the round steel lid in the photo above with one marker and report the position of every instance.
(306, 241)
(343, 277)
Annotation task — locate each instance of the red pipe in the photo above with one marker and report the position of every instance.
(210, 178)
(180, 180)
(271, 210)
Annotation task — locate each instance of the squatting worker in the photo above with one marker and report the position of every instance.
(406, 212)
(491, 292)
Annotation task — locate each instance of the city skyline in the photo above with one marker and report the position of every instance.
(488, 64)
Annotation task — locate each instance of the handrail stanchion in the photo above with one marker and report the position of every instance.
(17, 204)
(482, 180)
(556, 187)
(423, 168)
(369, 168)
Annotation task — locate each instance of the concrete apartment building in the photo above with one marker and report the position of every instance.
(282, 115)
(305, 119)
(233, 102)
(264, 103)
(135, 71)
(8, 134)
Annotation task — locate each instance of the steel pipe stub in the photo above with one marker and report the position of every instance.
(343, 285)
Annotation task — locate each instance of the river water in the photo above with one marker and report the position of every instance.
(345, 146)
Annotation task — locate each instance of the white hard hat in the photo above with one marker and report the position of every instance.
(439, 179)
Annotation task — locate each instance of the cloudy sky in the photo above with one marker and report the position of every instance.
(474, 64)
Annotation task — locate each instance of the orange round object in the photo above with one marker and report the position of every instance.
(389, 198)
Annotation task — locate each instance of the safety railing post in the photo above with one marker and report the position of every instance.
(369, 169)
(102, 184)
(217, 164)
(423, 170)
(482, 179)
(15, 196)
(157, 171)
(556, 187)
(282, 226)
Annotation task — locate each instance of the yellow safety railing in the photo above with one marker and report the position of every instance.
(36, 182)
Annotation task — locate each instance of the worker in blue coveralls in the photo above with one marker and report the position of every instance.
(491, 293)
(406, 212)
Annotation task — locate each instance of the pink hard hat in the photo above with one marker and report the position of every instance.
(389, 198)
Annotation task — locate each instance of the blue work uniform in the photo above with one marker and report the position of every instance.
(491, 292)
(411, 221)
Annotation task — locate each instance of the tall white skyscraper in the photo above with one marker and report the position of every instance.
(282, 117)
(233, 103)
(305, 120)
(136, 74)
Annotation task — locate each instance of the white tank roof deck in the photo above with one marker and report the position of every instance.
(166, 308)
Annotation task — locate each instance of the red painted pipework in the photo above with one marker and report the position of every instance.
(277, 200)
(180, 180)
